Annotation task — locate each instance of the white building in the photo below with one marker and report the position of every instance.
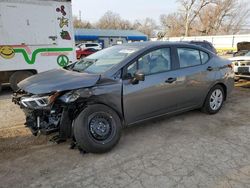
(220, 42)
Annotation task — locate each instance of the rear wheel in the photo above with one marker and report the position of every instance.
(214, 100)
(97, 129)
(18, 77)
(82, 56)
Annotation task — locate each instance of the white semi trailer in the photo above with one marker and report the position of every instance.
(35, 36)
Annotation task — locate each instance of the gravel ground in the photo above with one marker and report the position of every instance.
(9, 112)
(188, 150)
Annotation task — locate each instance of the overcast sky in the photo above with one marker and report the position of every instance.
(92, 10)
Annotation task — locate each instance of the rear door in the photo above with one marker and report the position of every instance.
(197, 74)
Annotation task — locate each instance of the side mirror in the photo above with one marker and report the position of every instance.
(139, 76)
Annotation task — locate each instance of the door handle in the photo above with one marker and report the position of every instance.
(210, 68)
(170, 80)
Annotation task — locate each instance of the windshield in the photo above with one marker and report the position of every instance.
(104, 60)
(247, 54)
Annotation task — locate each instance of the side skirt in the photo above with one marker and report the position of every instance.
(169, 114)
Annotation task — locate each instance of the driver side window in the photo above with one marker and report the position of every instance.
(131, 70)
(153, 62)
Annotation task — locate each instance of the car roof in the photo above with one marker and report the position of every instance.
(145, 46)
(202, 43)
(152, 44)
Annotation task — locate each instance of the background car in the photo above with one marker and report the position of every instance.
(240, 53)
(205, 44)
(242, 49)
(241, 66)
(83, 46)
(81, 53)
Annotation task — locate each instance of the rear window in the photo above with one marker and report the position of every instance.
(189, 57)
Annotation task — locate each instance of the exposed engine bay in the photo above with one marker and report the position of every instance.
(47, 114)
(52, 102)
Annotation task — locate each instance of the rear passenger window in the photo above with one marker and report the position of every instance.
(204, 57)
(190, 57)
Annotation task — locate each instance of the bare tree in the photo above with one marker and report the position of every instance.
(224, 17)
(172, 24)
(191, 9)
(77, 23)
(146, 26)
(111, 20)
(206, 17)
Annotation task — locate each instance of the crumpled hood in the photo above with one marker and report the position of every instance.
(57, 80)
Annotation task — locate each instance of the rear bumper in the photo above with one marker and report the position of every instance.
(242, 71)
(242, 76)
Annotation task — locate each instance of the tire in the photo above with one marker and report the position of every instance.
(82, 56)
(86, 130)
(212, 108)
(17, 77)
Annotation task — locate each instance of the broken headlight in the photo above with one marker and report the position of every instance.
(72, 96)
(69, 97)
(35, 101)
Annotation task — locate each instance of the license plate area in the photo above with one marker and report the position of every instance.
(243, 70)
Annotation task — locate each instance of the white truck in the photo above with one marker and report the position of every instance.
(35, 36)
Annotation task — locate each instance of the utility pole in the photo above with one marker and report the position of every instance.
(80, 15)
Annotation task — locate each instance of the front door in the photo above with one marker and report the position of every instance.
(157, 94)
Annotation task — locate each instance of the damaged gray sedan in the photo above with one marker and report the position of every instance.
(90, 101)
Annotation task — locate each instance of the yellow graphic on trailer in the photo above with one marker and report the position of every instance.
(7, 52)
(63, 22)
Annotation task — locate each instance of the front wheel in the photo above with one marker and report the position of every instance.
(97, 129)
(214, 100)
